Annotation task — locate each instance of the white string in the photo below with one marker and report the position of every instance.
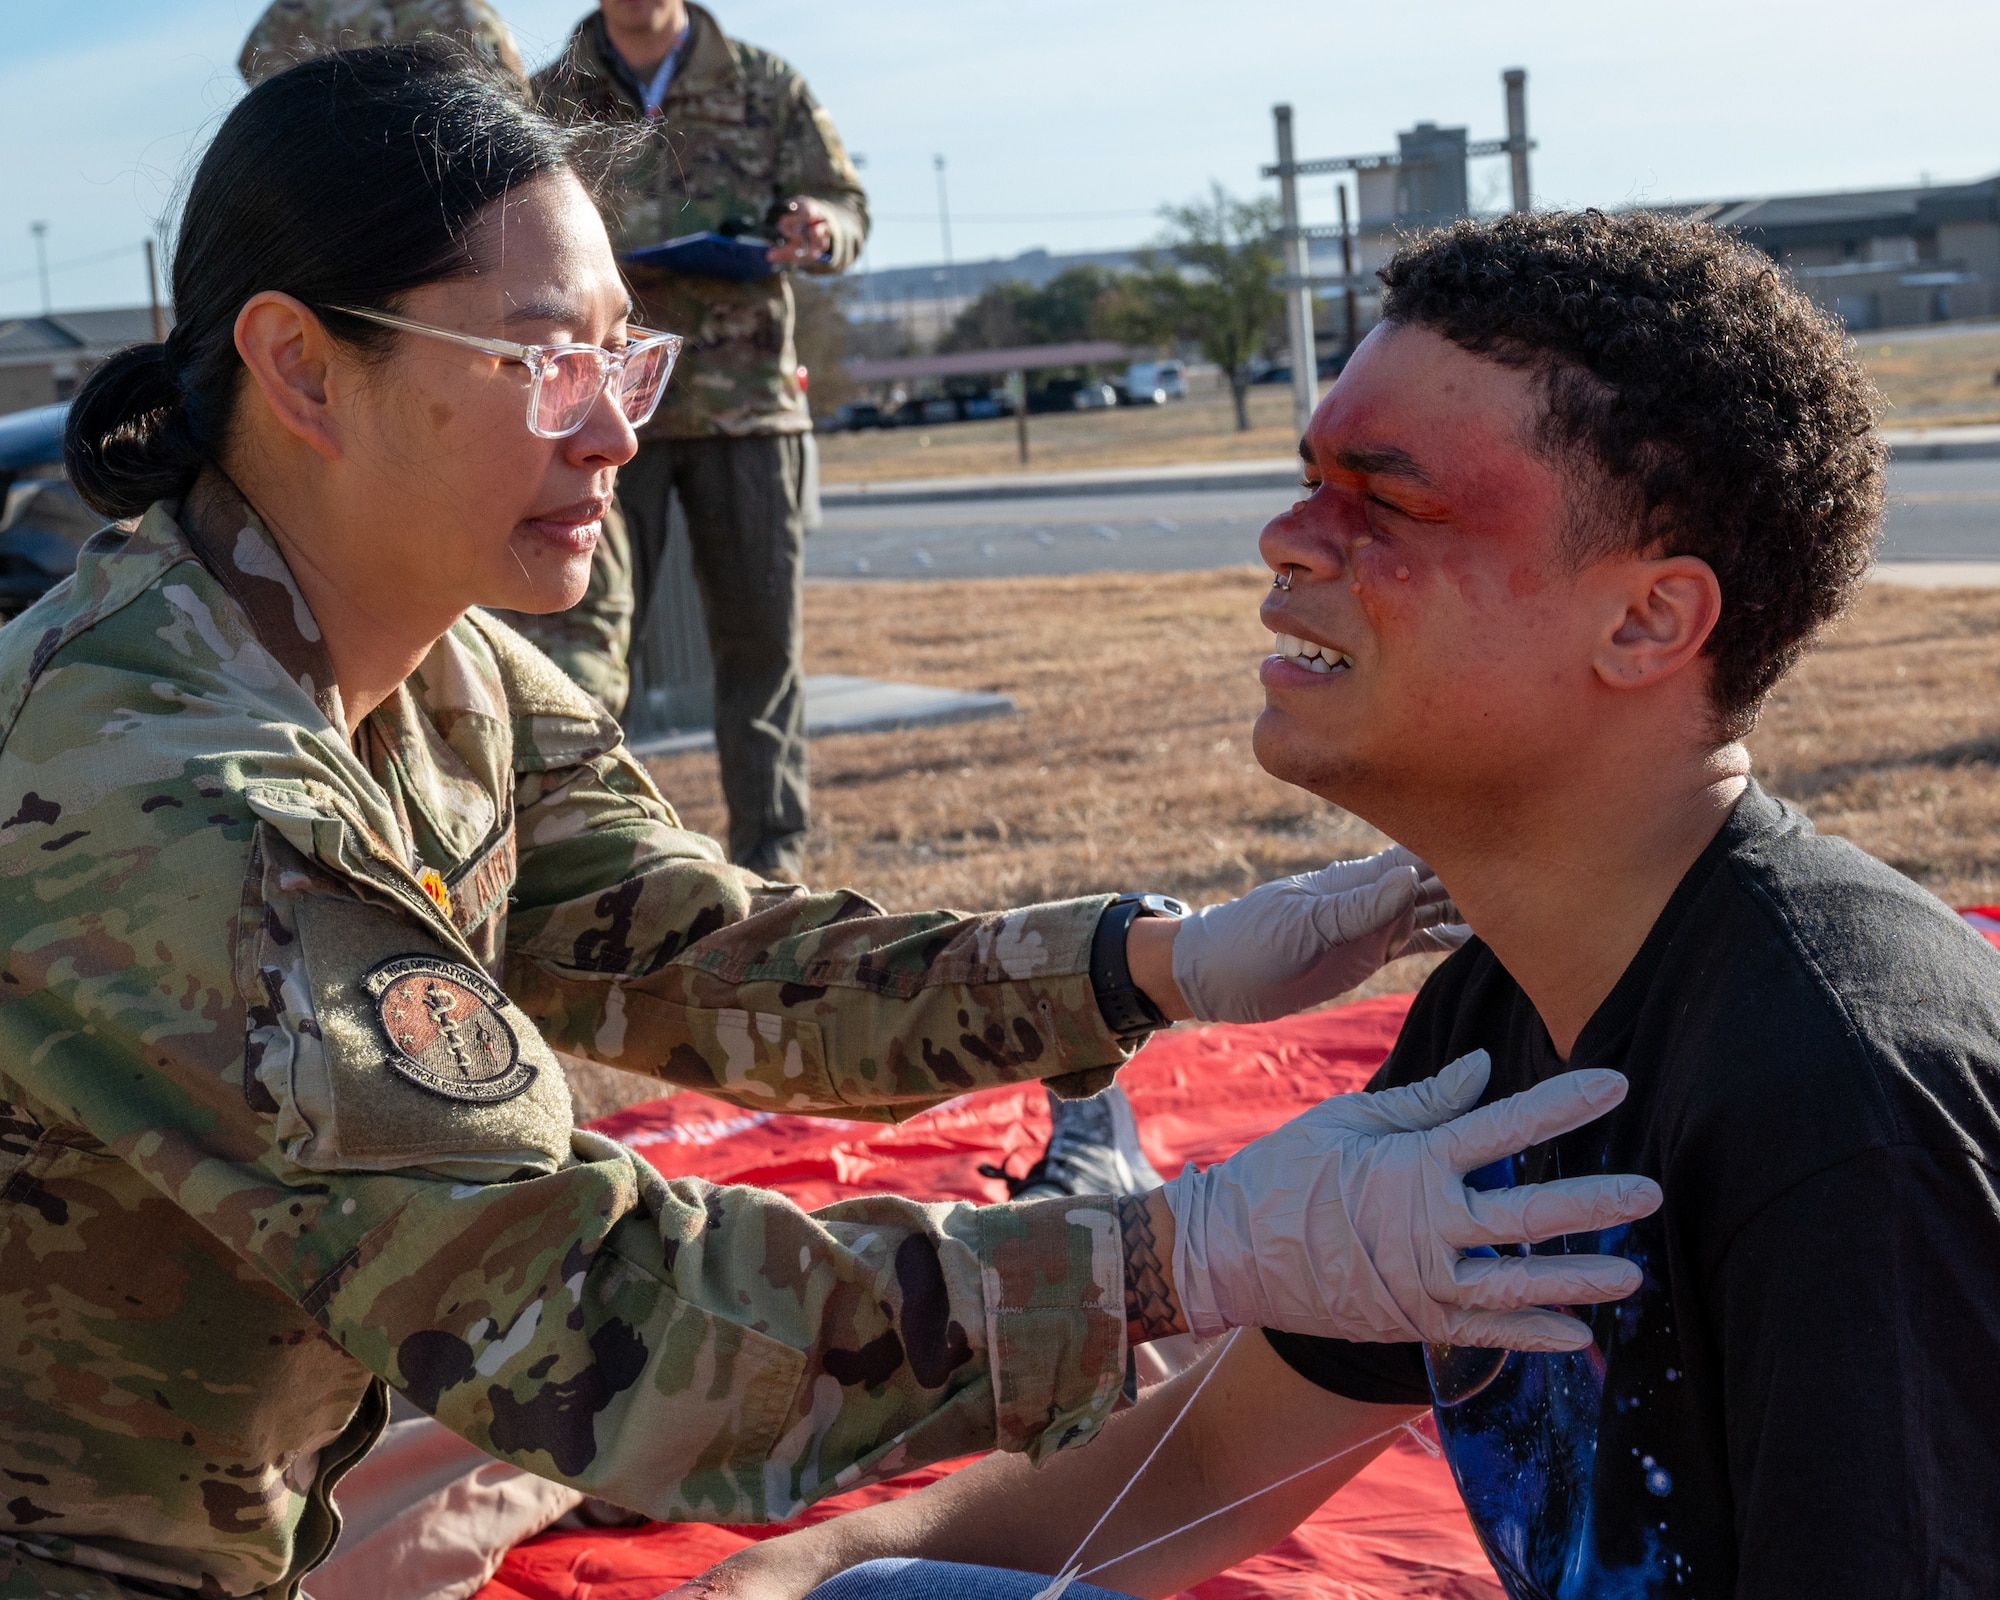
(1425, 1442)
(1076, 1556)
(1175, 1533)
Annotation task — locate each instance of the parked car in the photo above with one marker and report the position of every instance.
(31, 439)
(1096, 395)
(1328, 368)
(1058, 394)
(982, 407)
(43, 523)
(855, 415)
(1153, 383)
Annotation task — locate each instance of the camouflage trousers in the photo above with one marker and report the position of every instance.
(744, 501)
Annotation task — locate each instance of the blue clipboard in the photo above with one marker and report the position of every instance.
(708, 255)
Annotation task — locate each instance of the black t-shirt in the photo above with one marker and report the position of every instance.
(1803, 1398)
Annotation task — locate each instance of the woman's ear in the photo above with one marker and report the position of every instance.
(288, 356)
(1669, 608)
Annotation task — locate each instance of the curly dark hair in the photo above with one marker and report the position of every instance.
(1721, 413)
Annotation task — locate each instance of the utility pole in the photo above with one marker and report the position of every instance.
(1298, 298)
(153, 294)
(1516, 80)
(1346, 265)
(861, 265)
(41, 232)
(944, 228)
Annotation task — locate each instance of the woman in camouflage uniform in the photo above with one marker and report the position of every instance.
(307, 864)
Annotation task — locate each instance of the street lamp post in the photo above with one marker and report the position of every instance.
(944, 228)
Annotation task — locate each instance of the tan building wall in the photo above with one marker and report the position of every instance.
(28, 384)
(1977, 244)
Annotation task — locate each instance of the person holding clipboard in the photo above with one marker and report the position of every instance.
(738, 179)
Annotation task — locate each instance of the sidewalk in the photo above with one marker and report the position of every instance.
(836, 703)
(1272, 472)
(1938, 574)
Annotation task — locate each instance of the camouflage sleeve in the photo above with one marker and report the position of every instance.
(812, 161)
(222, 989)
(631, 942)
(716, 1354)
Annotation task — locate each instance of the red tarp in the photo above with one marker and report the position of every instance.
(1398, 1530)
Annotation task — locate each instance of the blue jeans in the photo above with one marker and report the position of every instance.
(902, 1578)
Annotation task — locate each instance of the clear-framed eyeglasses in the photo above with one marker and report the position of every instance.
(567, 379)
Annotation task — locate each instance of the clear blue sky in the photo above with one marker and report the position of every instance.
(1067, 124)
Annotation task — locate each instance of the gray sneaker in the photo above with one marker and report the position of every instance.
(1093, 1149)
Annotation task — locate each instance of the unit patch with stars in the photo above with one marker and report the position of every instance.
(446, 1029)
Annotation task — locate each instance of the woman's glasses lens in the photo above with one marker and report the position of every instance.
(645, 379)
(571, 382)
(573, 379)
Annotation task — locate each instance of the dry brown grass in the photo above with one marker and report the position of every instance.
(1130, 762)
(1924, 381)
(1130, 765)
(1890, 734)
(1936, 382)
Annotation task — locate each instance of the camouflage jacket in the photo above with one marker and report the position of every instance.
(290, 31)
(739, 134)
(279, 1118)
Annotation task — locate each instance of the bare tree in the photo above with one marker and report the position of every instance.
(1211, 280)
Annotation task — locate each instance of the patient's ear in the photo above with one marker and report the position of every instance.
(1663, 612)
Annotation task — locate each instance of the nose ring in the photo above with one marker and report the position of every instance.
(1284, 578)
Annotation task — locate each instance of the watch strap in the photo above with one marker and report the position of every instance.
(1126, 1008)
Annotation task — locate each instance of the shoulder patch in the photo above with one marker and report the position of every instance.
(447, 1029)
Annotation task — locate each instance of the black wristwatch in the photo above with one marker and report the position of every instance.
(1125, 1006)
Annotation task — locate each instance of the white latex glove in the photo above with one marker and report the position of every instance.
(1295, 942)
(1350, 1220)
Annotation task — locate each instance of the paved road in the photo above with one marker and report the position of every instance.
(1939, 511)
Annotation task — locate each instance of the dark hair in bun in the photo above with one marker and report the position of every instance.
(349, 180)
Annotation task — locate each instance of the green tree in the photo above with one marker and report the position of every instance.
(1211, 280)
(1071, 306)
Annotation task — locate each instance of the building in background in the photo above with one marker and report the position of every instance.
(1880, 258)
(45, 359)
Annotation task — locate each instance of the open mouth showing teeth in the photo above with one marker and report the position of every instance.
(1313, 657)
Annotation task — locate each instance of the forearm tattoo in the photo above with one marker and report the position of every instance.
(1151, 1311)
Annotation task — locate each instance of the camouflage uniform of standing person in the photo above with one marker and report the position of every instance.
(308, 867)
(591, 640)
(291, 31)
(737, 145)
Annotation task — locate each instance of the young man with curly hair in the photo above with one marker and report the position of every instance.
(1571, 513)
